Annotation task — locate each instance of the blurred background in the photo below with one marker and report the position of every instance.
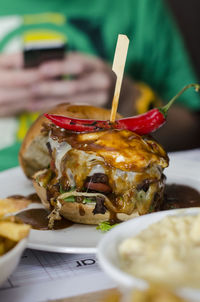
(53, 52)
(186, 14)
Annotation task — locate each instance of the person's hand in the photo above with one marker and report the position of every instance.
(15, 84)
(91, 81)
(86, 80)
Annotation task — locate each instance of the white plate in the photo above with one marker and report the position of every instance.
(108, 256)
(82, 238)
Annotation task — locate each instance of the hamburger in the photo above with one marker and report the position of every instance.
(93, 177)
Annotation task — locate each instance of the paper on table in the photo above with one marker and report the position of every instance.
(43, 276)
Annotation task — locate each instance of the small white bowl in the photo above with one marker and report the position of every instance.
(10, 260)
(107, 251)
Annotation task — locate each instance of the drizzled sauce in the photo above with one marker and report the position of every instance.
(81, 210)
(124, 145)
(113, 218)
(38, 219)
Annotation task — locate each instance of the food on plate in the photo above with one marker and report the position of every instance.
(167, 252)
(38, 219)
(34, 154)
(95, 176)
(90, 169)
(11, 232)
(12, 204)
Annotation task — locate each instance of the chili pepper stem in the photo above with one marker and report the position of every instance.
(165, 109)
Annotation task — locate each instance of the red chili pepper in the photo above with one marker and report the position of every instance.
(144, 123)
(78, 125)
(141, 124)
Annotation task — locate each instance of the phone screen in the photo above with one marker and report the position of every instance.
(36, 55)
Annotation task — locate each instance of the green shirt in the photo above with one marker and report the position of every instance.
(156, 53)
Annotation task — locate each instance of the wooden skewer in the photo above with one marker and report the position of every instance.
(118, 68)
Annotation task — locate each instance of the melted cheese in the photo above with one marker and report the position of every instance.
(123, 150)
(96, 169)
(60, 149)
(78, 164)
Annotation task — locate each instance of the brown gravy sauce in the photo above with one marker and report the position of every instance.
(38, 219)
(31, 197)
(81, 210)
(180, 196)
(122, 142)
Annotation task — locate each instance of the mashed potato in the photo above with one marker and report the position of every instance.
(167, 252)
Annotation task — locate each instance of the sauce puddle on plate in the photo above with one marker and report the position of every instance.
(180, 196)
(31, 197)
(38, 219)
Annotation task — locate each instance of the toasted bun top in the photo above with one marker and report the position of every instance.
(33, 154)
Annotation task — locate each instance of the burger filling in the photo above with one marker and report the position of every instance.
(117, 171)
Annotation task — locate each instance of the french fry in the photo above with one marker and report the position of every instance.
(13, 231)
(12, 205)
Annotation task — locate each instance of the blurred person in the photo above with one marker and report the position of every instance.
(157, 65)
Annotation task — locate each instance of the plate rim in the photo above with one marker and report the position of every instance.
(62, 249)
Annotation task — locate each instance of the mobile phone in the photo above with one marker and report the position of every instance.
(34, 55)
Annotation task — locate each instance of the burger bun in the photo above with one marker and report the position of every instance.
(34, 155)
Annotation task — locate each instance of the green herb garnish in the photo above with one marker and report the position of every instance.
(106, 226)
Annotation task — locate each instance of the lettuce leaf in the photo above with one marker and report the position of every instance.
(88, 200)
(69, 199)
(72, 199)
(106, 226)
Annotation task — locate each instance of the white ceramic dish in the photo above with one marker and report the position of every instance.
(81, 238)
(10, 260)
(108, 257)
